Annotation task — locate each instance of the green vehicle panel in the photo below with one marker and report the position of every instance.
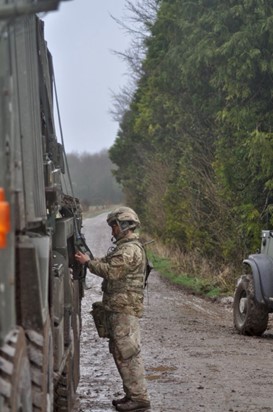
(41, 284)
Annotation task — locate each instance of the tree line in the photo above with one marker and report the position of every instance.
(194, 148)
(92, 179)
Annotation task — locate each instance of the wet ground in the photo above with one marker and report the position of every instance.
(194, 360)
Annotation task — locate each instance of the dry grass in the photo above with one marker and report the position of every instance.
(193, 265)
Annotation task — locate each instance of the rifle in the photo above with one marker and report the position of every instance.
(149, 266)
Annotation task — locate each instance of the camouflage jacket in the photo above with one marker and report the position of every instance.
(123, 272)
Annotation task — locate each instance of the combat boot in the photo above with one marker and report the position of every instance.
(134, 406)
(123, 400)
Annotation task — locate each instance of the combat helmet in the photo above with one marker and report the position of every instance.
(125, 217)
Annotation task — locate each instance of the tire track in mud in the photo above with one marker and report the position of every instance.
(194, 360)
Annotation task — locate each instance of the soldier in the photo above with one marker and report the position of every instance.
(123, 273)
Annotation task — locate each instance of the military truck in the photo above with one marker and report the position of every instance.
(41, 284)
(253, 299)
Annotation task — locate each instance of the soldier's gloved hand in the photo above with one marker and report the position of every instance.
(82, 258)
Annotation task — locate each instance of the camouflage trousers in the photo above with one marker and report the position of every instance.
(124, 345)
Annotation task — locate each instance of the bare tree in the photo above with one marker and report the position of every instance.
(137, 23)
(121, 101)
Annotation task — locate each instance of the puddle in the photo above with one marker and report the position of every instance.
(162, 369)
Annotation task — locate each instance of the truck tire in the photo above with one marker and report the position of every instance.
(249, 316)
(76, 328)
(40, 352)
(15, 381)
(64, 390)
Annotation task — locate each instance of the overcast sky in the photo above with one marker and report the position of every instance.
(81, 36)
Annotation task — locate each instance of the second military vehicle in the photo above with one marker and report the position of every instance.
(253, 299)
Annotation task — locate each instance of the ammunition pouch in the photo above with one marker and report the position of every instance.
(100, 319)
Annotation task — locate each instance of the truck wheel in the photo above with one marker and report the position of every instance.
(64, 390)
(249, 316)
(40, 351)
(15, 381)
(76, 328)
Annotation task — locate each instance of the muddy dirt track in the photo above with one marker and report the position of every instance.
(194, 360)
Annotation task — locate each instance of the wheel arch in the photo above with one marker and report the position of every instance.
(262, 271)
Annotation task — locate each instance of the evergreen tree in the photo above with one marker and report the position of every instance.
(202, 112)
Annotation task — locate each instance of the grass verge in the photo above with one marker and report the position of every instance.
(200, 286)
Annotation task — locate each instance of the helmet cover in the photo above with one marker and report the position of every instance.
(125, 217)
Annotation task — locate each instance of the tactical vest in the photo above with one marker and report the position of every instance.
(126, 294)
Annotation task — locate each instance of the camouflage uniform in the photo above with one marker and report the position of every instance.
(123, 271)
